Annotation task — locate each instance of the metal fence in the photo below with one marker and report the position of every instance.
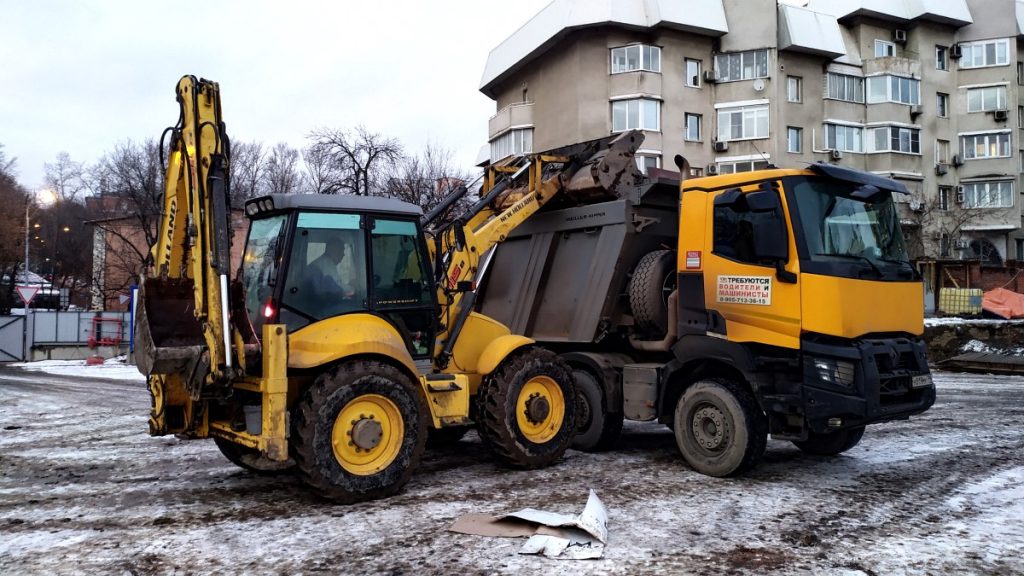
(89, 328)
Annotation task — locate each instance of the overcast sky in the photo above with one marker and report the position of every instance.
(83, 76)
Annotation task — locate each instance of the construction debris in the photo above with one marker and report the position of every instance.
(1003, 303)
(550, 534)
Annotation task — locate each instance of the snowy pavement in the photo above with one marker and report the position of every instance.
(83, 489)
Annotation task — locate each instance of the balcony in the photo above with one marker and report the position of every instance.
(515, 115)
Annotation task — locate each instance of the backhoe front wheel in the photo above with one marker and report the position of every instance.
(360, 431)
(526, 409)
(719, 428)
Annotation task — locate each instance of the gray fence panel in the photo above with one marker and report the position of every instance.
(12, 338)
(45, 326)
(67, 327)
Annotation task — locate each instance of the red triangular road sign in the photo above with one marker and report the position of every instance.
(27, 293)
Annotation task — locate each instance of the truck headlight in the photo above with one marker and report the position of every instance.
(836, 372)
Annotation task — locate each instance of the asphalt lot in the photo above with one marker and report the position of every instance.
(83, 489)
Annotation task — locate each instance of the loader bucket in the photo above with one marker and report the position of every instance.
(168, 335)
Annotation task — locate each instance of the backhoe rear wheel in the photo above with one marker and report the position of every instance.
(359, 432)
(526, 409)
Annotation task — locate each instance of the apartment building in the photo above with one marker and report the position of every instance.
(924, 91)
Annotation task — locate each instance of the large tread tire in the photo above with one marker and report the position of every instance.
(652, 281)
(345, 386)
(719, 428)
(499, 400)
(249, 459)
(831, 444)
(445, 437)
(596, 428)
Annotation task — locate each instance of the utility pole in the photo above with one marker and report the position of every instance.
(27, 204)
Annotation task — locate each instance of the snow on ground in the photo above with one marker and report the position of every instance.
(948, 320)
(83, 489)
(111, 369)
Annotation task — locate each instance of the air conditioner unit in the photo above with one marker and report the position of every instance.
(1000, 115)
(941, 169)
(962, 244)
(899, 36)
(916, 206)
(916, 110)
(959, 194)
(711, 170)
(955, 51)
(710, 77)
(721, 146)
(835, 154)
(957, 160)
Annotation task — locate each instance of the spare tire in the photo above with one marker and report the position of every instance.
(654, 279)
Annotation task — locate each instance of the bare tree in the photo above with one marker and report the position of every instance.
(248, 167)
(361, 158)
(936, 225)
(282, 172)
(427, 178)
(321, 175)
(13, 197)
(65, 177)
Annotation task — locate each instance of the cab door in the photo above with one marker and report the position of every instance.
(751, 274)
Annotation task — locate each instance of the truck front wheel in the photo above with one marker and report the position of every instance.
(526, 409)
(359, 432)
(719, 428)
(832, 443)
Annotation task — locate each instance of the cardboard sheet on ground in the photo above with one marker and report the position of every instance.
(1004, 303)
(550, 534)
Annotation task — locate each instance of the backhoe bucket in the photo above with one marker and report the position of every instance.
(168, 336)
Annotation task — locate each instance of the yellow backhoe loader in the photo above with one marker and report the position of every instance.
(348, 330)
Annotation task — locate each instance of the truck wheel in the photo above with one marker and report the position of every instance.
(596, 429)
(719, 428)
(653, 280)
(832, 443)
(360, 431)
(442, 437)
(250, 458)
(526, 409)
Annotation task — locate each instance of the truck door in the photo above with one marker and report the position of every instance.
(751, 274)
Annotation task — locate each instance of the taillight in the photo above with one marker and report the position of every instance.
(268, 309)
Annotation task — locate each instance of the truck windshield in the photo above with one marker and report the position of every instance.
(838, 228)
(259, 265)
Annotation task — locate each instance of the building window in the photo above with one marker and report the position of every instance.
(647, 161)
(743, 123)
(741, 65)
(986, 99)
(979, 146)
(845, 138)
(985, 53)
(693, 73)
(513, 142)
(845, 87)
(794, 89)
(1020, 116)
(943, 201)
(636, 57)
(742, 166)
(988, 195)
(883, 49)
(636, 113)
(941, 58)
(894, 89)
(696, 172)
(1021, 167)
(693, 131)
(942, 151)
(1020, 73)
(794, 139)
(895, 139)
(941, 105)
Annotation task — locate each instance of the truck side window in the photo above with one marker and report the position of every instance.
(734, 232)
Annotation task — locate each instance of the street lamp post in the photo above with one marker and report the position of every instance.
(27, 204)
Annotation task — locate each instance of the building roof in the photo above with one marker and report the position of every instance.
(803, 30)
(954, 12)
(561, 17)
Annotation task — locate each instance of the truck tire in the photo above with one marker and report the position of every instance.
(653, 280)
(832, 443)
(719, 428)
(526, 409)
(443, 437)
(360, 431)
(250, 459)
(596, 428)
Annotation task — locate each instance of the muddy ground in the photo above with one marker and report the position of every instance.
(83, 489)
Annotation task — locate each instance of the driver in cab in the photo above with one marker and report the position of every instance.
(326, 274)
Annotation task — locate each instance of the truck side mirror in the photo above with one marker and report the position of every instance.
(771, 243)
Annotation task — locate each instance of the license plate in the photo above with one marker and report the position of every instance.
(921, 381)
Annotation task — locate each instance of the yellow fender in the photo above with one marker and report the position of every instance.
(335, 338)
(498, 350)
